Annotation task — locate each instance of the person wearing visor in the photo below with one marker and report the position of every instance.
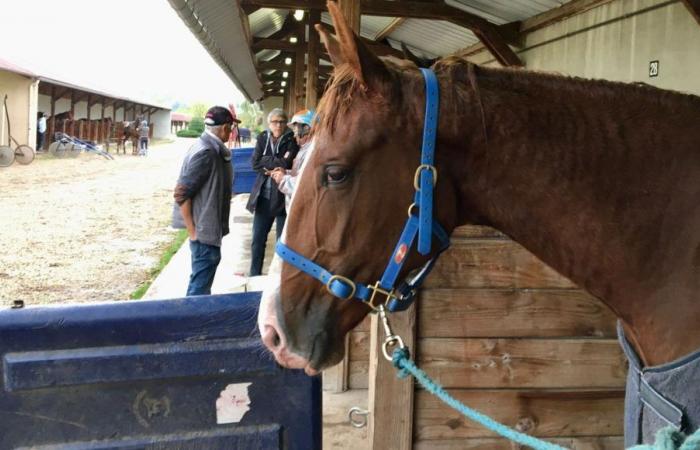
(203, 197)
(286, 180)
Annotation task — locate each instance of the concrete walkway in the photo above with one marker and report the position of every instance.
(233, 268)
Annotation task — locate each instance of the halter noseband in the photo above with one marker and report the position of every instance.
(395, 298)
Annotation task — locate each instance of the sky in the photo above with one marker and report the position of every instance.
(132, 48)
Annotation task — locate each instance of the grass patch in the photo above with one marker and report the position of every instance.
(174, 246)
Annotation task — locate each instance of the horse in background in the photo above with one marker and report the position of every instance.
(127, 131)
(600, 180)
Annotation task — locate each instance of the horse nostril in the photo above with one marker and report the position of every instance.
(271, 338)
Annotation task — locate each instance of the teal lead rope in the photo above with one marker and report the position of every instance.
(401, 360)
(666, 439)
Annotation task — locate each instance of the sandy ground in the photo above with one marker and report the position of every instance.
(85, 229)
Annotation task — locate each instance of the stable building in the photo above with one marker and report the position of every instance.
(500, 330)
(69, 107)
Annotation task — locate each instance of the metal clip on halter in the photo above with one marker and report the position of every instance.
(390, 339)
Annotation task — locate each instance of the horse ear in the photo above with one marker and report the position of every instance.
(332, 45)
(369, 70)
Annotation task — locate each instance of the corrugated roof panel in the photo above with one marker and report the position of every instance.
(266, 21)
(371, 25)
(433, 37)
(504, 11)
(219, 28)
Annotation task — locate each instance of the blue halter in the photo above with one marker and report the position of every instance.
(385, 291)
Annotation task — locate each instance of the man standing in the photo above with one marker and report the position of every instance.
(274, 148)
(203, 197)
(40, 131)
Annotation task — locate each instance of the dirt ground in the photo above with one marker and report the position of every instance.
(85, 229)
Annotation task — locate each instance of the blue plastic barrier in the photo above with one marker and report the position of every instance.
(150, 375)
(243, 173)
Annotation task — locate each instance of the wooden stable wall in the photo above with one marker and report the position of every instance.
(508, 336)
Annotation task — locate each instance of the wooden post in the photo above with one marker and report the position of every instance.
(89, 117)
(72, 115)
(299, 55)
(312, 64)
(351, 11)
(390, 402)
(52, 124)
(290, 90)
(101, 129)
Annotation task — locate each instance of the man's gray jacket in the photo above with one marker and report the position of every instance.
(206, 177)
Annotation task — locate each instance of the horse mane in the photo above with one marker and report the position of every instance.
(512, 79)
(470, 82)
(343, 85)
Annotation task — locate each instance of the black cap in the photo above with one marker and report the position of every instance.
(218, 115)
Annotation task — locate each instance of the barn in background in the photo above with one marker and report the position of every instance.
(29, 93)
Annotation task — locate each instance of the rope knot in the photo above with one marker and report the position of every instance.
(398, 358)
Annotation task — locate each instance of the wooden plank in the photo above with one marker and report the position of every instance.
(540, 413)
(572, 443)
(512, 313)
(523, 363)
(390, 398)
(492, 264)
(509, 363)
(475, 231)
(335, 379)
(337, 431)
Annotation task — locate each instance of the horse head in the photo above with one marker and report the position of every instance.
(352, 199)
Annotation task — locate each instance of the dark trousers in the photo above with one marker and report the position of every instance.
(262, 224)
(40, 140)
(205, 260)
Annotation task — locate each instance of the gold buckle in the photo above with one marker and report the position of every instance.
(416, 176)
(378, 289)
(344, 280)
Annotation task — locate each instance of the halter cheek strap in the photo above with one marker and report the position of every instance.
(385, 291)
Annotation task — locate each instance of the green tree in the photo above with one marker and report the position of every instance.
(197, 110)
(251, 116)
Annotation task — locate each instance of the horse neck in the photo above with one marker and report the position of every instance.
(570, 173)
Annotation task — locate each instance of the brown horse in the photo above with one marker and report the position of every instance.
(600, 180)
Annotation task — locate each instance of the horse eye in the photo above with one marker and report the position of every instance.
(335, 175)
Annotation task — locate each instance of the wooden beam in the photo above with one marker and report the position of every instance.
(486, 31)
(79, 97)
(250, 9)
(393, 25)
(386, 8)
(390, 398)
(563, 12)
(378, 48)
(312, 70)
(272, 44)
(694, 8)
(495, 43)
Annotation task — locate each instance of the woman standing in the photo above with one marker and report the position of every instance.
(275, 148)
